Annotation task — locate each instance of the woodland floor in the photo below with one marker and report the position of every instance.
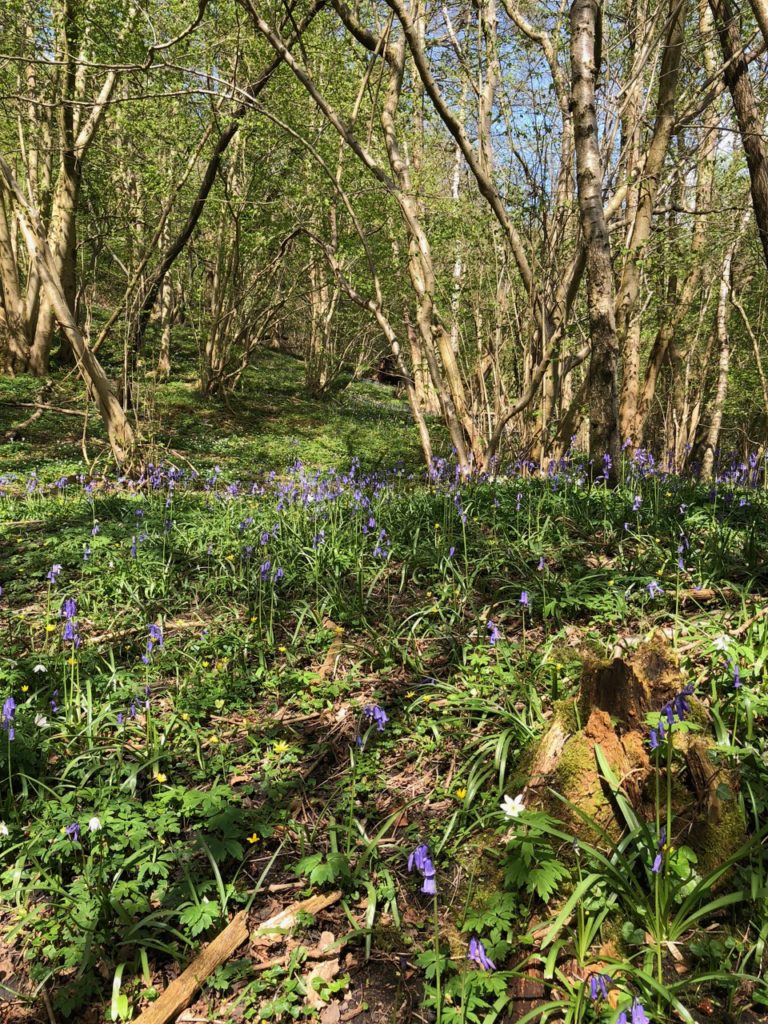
(220, 754)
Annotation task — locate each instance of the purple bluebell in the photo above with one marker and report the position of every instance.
(377, 715)
(478, 955)
(6, 720)
(417, 857)
(638, 1013)
(53, 573)
(422, 862)
(637, 502)
(598, 986)
(73, 831)
(654, 590)
(524, 599)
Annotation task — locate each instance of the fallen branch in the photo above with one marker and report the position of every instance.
(181, 991)
(273, 929)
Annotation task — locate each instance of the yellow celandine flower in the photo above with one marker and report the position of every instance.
(410, 694)
(283, 650)
(339, 630)
(161, 777)
(437, 526)
(24, 688)
(50, 628)
(281, 747)
(230, 558)
(434, 609)
(205, 664)
(427, 698)
(213, 739)
(461, 793)
(252, 839)
(71, 660)
(185, 716)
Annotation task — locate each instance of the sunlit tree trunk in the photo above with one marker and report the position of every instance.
(751, 124)
(603, 412)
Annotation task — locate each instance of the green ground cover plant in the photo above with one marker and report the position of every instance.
(320, 679)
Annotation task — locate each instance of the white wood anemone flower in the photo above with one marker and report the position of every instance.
(513, 807)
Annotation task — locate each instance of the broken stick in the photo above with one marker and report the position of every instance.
(181, 991)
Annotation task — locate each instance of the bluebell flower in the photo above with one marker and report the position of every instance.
(6, 721)
(654, 590)
(428, 885)
(637, 503)
(417, 857)
(598, 986)
(524, 599)
(736, 675)
(638, 1013)
(422, 862)
(478, 955)
(73, 831)
(377, 714)
(493, 632)
(53, 573)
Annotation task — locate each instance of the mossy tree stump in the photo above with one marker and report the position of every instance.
(610, 711)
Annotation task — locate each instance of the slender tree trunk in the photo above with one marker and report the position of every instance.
(736, 77)
(603, 411)
(760, 10)
(628, 325)
(721, 390)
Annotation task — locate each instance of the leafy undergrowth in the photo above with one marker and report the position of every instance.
(222, 695)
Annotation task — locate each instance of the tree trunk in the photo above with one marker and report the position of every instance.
(736, 77)
(628, 326)
(119, 431)
(603, 412)
(721, 390)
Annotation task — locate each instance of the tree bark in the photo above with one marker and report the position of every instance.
(736, 77)
(627, 324)
(721, 390)
(603, 411)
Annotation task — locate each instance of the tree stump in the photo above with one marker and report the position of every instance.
(610, 711)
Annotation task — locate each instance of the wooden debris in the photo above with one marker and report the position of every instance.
(273, 929)
(181, 991)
